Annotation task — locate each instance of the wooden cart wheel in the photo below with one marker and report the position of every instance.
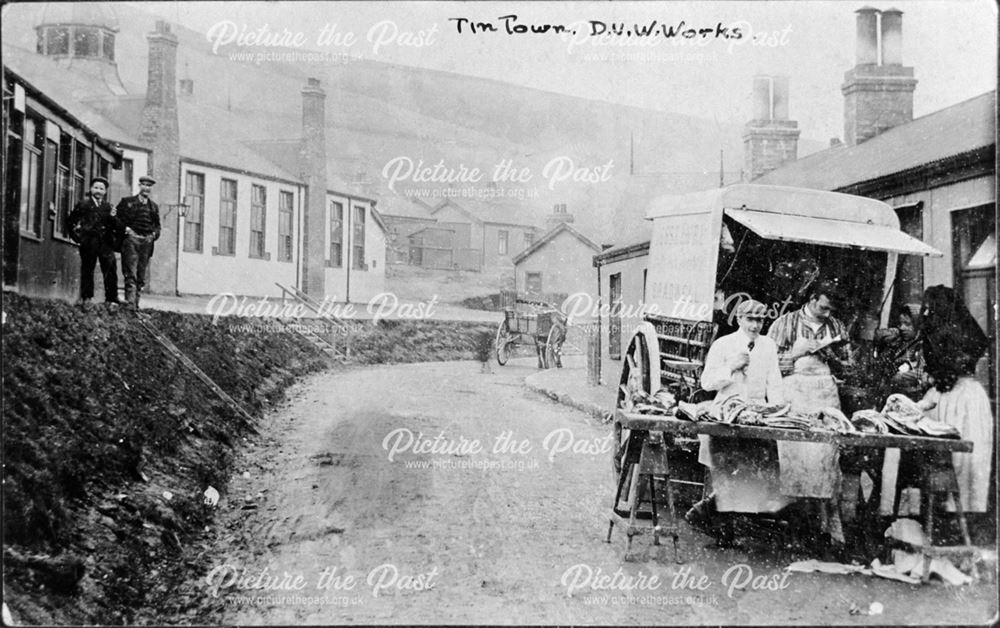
(503, 342)
(553, 347)
(635, 376)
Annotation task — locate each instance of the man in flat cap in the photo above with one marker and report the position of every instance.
(744, 472)
(139, 219)
(92, 225)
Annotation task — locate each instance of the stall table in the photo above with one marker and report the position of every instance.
(651, 436)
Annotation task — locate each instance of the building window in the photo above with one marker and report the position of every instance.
(227, 218)
(529, 238)
(121, 180)
(194, 195)
(358, 243)
(258, 218)
(336, 234)
(109, 46)
(285, 201)
(81, 168)
(31, 178)
(64, 185)
(502, 237)
(57, 41)
(614, 316)
(86, 42)
(533, 283)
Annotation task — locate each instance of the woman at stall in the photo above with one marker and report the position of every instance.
(953, 343)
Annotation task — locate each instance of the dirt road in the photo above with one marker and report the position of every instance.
(433, 493)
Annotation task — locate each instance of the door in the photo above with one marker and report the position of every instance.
(615, 316)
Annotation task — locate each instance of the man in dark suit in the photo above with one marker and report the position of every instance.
(92, 225)
(139, 219)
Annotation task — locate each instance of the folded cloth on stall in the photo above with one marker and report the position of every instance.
(869, 422)
(832, 419)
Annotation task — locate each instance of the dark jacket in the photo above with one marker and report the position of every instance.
(144, 220)
(94, 225)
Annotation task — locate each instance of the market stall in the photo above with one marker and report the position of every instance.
(713, 250)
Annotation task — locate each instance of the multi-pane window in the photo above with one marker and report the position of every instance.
(336, 234)
(194, 195)
(86, 42)
(58, 41)
(109, 46)
(31, 183)
(81, 166)
(64, 188)
(227, 217)
(258, 218)
(285, 213)
(529, 238)
(358, 239)
(502, 239)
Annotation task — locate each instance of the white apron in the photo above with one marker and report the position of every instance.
(810, 469)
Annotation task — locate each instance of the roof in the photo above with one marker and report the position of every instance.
(948, 132)
(69, 89)
(287, 154)
(495, 212)
(403, 207)
(550, 235)
(59, 107)
(775, 199)
(84, 13)
(209, 135)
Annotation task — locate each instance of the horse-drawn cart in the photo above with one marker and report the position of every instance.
(542, 322)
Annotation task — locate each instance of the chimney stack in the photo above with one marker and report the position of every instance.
(878, 90)
(314, 174)
(160, 129)
(559, 215)
(770, 139)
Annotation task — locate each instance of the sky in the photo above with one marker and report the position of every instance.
(951, 44)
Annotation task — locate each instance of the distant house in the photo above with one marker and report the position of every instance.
(236, 216)
(558, 263)
(488, 233)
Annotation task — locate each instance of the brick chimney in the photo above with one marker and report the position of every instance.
(878, 90)
(160, 129)
(313, 154)
(770, 139)
(558, 216)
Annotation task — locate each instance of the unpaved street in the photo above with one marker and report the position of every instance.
(325, 528)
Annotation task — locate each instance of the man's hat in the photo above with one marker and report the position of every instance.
(752, 309)
(147, 179)
(99, 180)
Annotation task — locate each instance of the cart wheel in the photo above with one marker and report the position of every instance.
(635, 376)
(553, 347)
(503, 342)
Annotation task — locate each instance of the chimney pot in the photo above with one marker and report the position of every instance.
(867, 36)
(780, 97)
(761, 98)
(892, 37)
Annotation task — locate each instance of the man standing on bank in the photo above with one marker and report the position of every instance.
(92, 226)
(139, 218)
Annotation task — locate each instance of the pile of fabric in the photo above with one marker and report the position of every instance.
(832, 420)
(640, 402)
(735, 410)
(901, 416)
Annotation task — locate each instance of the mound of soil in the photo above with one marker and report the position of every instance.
(110, 443)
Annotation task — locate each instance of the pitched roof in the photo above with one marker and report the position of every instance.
(549, 236)
(496, 212)
(67, 88)
(957, 129)
(287, 154)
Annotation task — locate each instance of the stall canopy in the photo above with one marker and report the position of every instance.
(828, 232)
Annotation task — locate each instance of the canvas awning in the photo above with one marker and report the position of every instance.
(824, 231)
